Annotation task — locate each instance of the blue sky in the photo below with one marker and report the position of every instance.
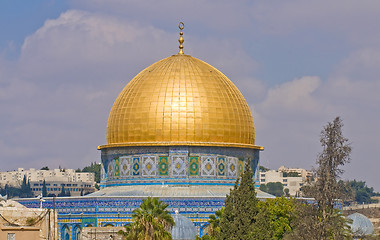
(298, 64)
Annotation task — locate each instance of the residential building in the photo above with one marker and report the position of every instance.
(294, 184)
(76, 183)
(305, 174)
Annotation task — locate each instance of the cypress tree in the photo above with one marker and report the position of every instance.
(44, 189)
(239, 217)
(26, 191)
(63, 191)
(29, 190)
(24, 184)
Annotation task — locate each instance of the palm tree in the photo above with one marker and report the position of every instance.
(151, 221)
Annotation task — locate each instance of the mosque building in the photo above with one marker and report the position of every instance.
(180, 130)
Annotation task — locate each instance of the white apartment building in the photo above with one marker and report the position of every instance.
(55, 188)
(305, 174)
(54, 177)
(294, 184)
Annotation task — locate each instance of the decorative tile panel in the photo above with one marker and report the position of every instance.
(163, 166)
(149, 166)
(110, 170)
(136, 166)
(241, 166)
(208, 166)
(117, 168)
(103, 174)
(125, 166)
(178, 165)
(193, 166)
(232, 167)
(221, 166)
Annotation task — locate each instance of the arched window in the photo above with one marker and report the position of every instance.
(204, 230)
(65, 232)
(76, 232)
(108, 225)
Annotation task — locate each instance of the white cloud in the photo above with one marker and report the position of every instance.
(293, 96)
(91, 44)
(289, 119)
(287, 122)
(55, 99)
(60, 91)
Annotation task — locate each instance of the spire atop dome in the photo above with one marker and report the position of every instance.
(180, 40)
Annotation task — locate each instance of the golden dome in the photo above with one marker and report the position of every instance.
(180, 100)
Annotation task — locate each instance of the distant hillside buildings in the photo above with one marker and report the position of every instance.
(73, 182)
(291, 178)
(77, 183)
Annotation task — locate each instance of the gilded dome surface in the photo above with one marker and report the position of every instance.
(180, 100)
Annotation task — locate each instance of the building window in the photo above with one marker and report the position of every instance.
(285, 180)
(285, 185)
(262, 180)
(11, 236)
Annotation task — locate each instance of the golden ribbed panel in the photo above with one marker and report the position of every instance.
(180, 100)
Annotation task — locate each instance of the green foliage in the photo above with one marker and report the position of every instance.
(291, 174)
(95, 168)
(45, 168)
(277, 215)
(205, 237)
(44, 189)
(10, 191)
(245, 217)
(286, 192)
(320, 220)
(30, 221)
(362, 192)
(263, 169)
(26, 191)
(274, 188)
(263, 187)
(63, 192)
(308, 223)
(213, 230)
(150, 221)
(239, 216)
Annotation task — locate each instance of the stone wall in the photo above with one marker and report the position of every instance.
(26, 223)
(101, 233)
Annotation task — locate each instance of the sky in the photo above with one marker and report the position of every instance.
(299, 64)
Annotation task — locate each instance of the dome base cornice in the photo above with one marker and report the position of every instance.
(215, 144)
